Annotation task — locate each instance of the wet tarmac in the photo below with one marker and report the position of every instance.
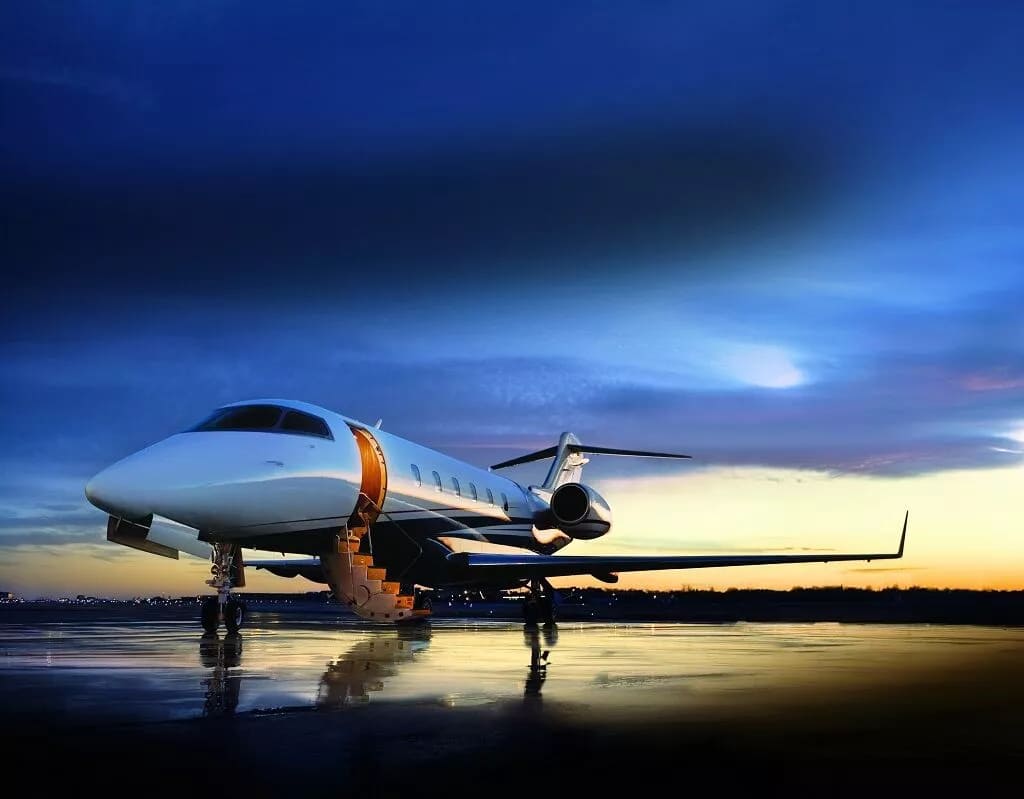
(453, 702)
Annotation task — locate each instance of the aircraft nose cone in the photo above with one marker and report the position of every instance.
(93, 492)
(110, 491)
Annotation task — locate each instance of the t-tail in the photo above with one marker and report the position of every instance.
(565, 503)
(568, 462)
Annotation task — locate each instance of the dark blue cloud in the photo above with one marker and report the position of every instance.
(158, 152)
(437, 224)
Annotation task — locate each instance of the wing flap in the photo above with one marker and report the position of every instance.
(296, 567)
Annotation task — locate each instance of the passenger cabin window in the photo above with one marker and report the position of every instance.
(472, 492)
(416, 474)
(437, 482)
(299, 422)
(504, 502)
(265, 419)
(455, 487)
(490, 497)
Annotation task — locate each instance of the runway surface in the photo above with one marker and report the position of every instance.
(476, 698)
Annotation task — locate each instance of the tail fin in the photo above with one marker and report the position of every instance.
(569, 460)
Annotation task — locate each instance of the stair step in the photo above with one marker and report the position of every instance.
(362, 560)
(404, 602)
(376, 573)
(347, 546)
(389, 587)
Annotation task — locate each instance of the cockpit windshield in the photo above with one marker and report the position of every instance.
(245, 417)
(265, 419)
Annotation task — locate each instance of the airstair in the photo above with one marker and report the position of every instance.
(355, 578)
(361, 584)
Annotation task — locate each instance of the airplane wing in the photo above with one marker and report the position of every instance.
(485, 567)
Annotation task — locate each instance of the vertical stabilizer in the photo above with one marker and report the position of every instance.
(567, 467)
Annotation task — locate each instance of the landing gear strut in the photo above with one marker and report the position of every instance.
(539, 607)
(226, 571)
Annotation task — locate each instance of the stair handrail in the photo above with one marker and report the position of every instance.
(390, 518)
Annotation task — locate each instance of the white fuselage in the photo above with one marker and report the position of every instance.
(290, 491)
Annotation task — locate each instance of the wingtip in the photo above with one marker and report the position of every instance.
(903, 535)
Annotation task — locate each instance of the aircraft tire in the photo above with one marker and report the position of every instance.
(546, 610)
(210, 614)
(234, 615)
(530, 612)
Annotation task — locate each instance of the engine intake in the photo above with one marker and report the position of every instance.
(580, 511)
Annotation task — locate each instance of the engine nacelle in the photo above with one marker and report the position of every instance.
(579, 511)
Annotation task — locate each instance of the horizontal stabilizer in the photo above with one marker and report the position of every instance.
(539, 455)
(636, 453)
(551, 452)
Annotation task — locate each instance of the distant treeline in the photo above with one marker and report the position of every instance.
(829, 603)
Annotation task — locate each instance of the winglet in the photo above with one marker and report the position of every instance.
(903, 536)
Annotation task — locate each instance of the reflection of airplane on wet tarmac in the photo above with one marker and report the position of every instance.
(353, 677)
(220, 655)
(376, 514)
(538, 657)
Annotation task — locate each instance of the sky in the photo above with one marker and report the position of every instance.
(783, 237)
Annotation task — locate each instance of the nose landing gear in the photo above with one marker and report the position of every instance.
(210, 614)
(227, 571)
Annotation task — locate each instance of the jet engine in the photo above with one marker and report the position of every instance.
(579, 511)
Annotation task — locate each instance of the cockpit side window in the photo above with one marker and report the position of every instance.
(299, 422)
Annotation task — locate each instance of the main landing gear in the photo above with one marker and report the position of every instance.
(539, 607)
(227, 571)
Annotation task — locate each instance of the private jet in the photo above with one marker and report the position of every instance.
(372, 515)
